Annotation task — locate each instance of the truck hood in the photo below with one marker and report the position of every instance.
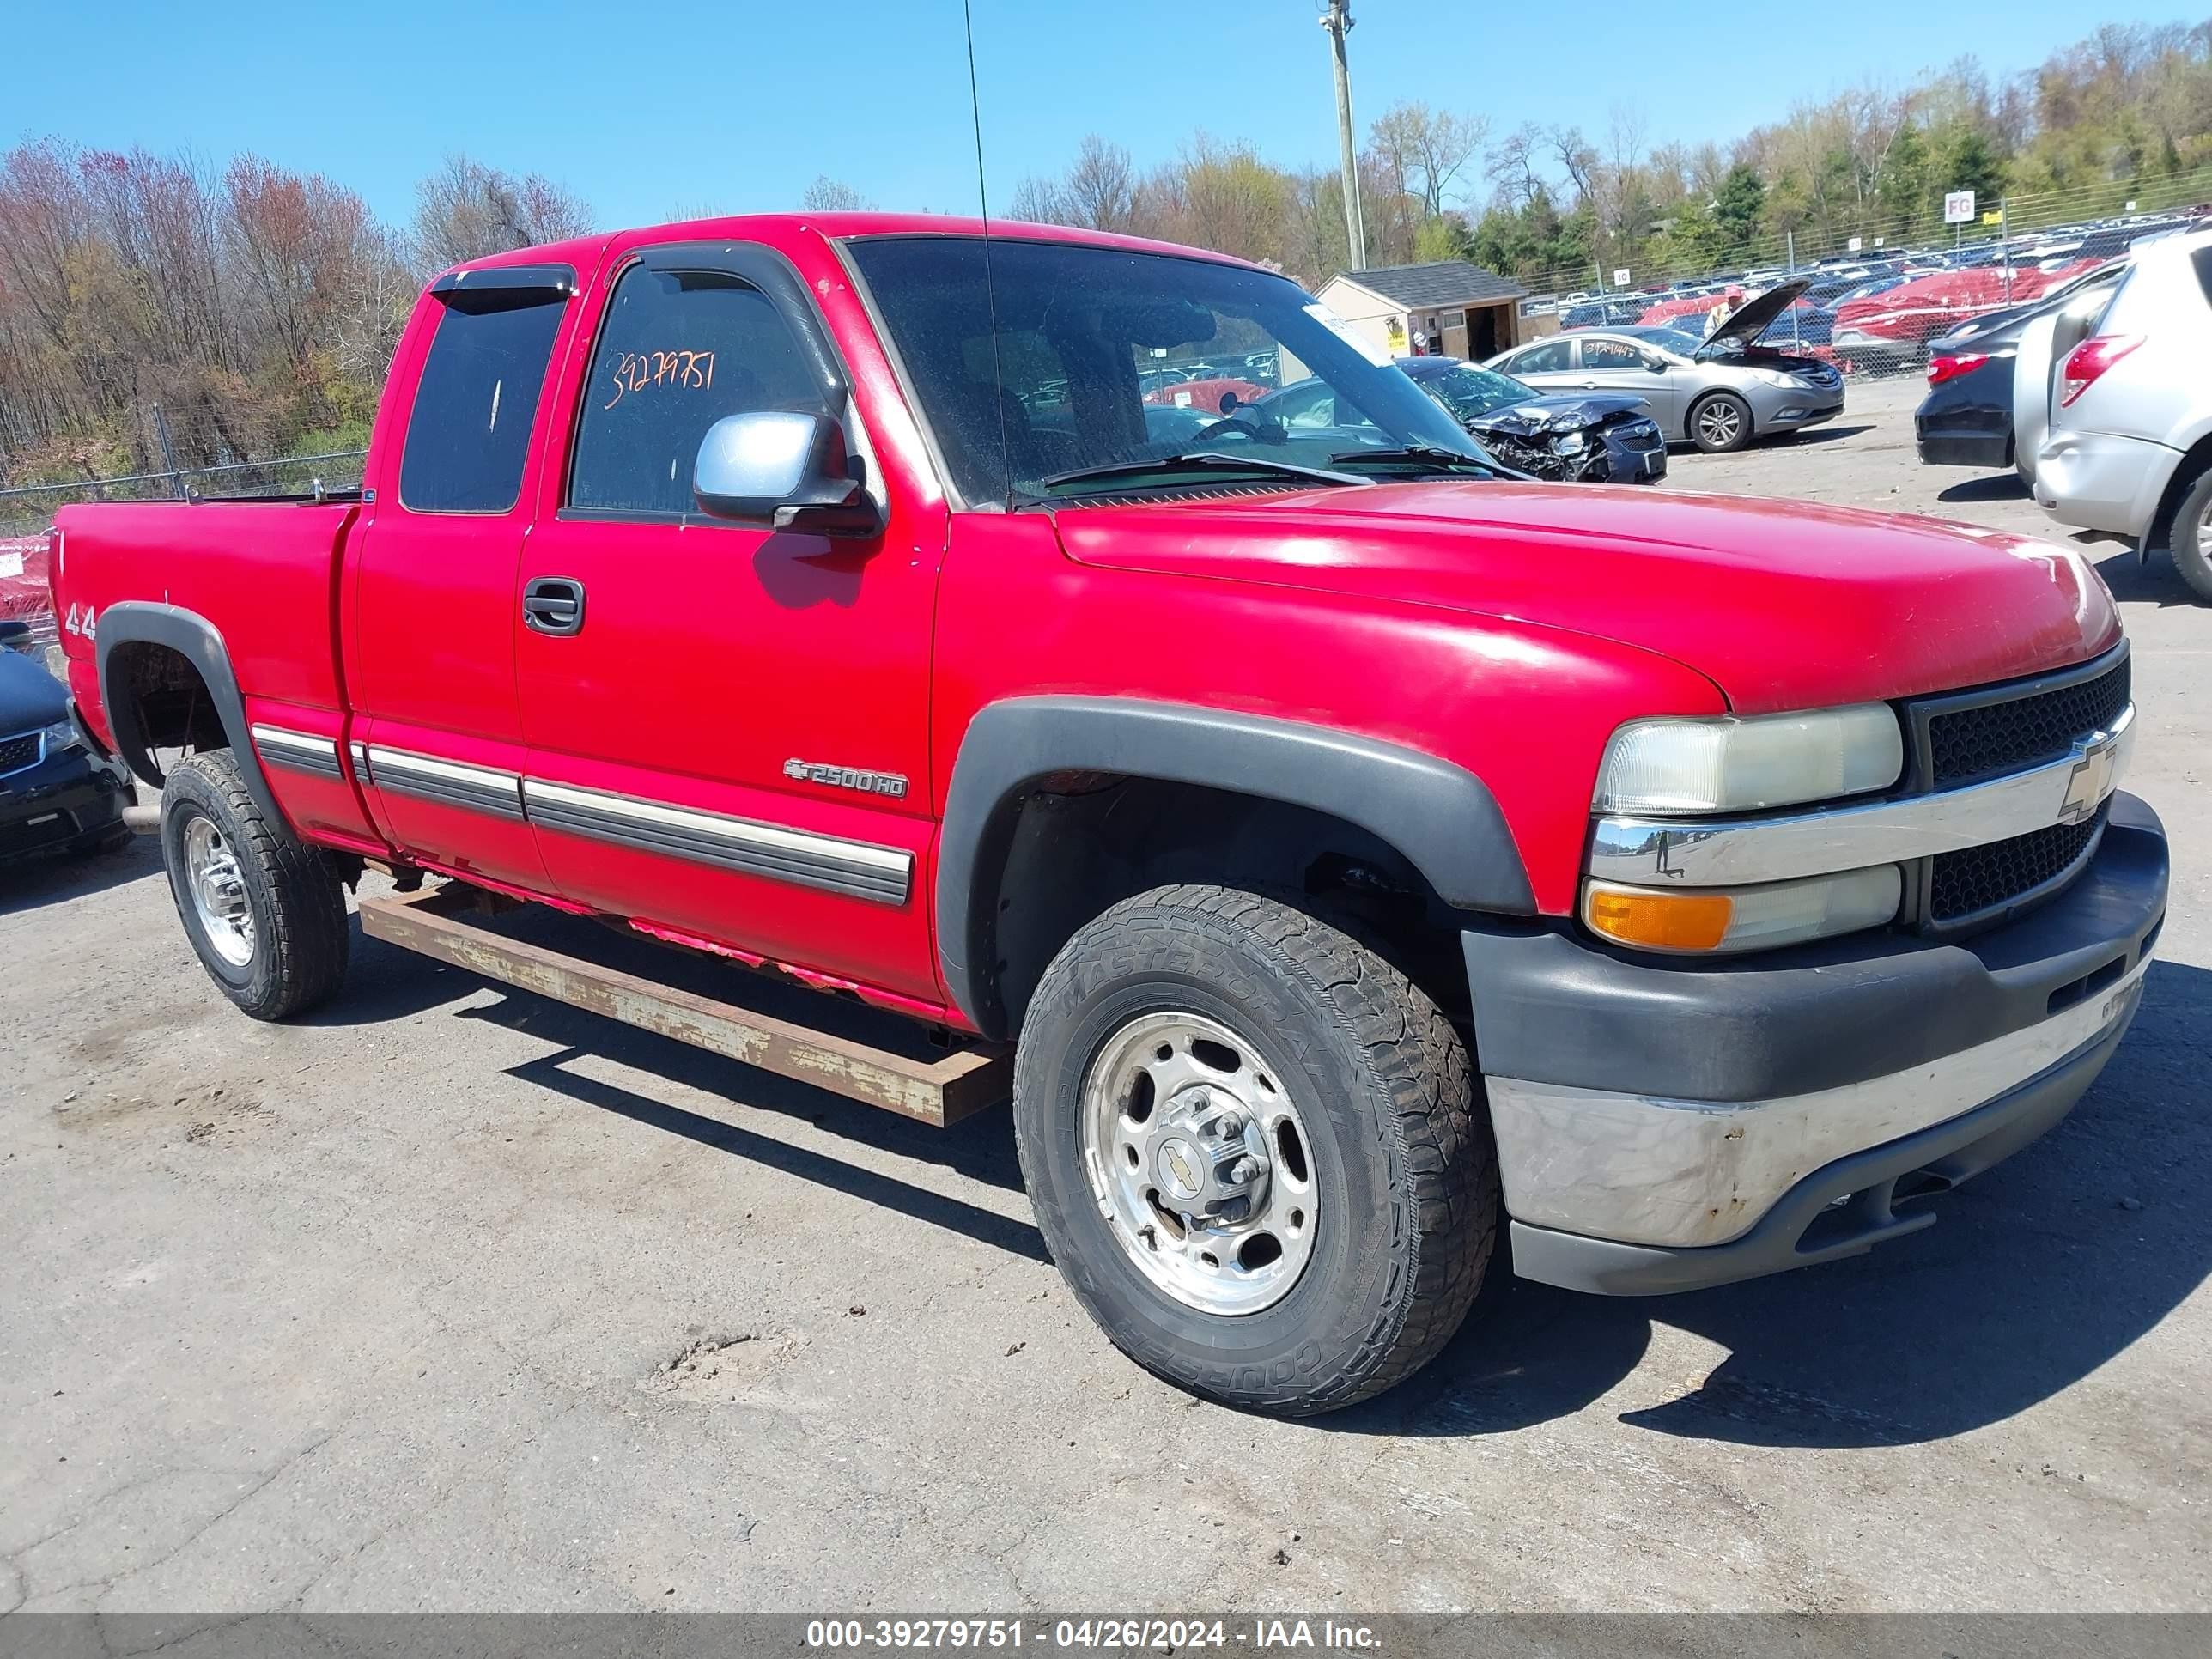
(1783, 604)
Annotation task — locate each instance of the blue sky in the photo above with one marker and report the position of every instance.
(670, 106)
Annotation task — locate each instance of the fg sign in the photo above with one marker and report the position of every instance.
(1959, 208)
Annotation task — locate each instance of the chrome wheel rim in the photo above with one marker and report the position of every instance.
(1199, 1159)
(218, 890)
(1719, 421)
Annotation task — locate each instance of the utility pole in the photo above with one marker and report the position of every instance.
(1338, 23)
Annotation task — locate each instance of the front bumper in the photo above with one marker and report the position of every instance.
(1663, 1127)
(1796, 412)
(65, 797)
(2101, 481)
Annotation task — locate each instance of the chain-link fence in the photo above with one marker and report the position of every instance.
(1877, 295)
(26, 509)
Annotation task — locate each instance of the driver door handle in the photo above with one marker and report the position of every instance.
(553, 605)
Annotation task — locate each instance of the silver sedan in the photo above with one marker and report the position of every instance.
(1718, 393)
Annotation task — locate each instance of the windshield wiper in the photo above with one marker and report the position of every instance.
(1202, 460)
(1432, 454)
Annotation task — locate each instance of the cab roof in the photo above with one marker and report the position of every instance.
(584, 253)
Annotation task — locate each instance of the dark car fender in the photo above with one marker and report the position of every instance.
(192, 636)
(1441, 816)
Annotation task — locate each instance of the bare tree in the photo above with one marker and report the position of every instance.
(1576, 157)
(1038, 201)
(1102, 186)
(1511, 168)
(466, 210)
(827, 195)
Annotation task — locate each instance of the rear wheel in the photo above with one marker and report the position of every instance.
(1251, 1145)
(2191, 541)
(263, 910)
(1720, 422)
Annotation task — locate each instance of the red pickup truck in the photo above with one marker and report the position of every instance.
(1363, 848)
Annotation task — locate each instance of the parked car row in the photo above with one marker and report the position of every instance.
(1879, 315)
(2100, 396)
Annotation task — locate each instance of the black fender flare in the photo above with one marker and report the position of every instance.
(192, 636)
(1440, 816)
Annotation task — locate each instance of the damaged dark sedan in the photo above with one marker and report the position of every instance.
(1587, 437)
(1576, 437)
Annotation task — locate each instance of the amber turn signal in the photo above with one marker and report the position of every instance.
(1661, 921)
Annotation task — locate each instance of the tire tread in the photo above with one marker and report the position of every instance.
(1444, 1199)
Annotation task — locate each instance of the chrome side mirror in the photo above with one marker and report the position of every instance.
(783, 469)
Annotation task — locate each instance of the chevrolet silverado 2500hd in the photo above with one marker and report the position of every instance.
(1362, 850)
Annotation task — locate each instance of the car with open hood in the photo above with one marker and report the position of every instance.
(1720, 392)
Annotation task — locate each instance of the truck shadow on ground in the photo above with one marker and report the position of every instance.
(386, 983)
(2036, 1274)
(44, 878)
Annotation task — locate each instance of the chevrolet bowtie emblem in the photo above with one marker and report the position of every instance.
(2097, 759)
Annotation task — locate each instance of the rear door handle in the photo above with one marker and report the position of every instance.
(553, 605)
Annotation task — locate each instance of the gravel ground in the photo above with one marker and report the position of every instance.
(451, 1298)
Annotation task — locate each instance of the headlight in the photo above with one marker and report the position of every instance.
(1673, 766)
(59, 737)
(1724, 918)
(1569, 443)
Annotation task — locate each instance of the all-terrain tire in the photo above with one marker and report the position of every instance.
(298, 951)
(1404, 1173)
(2192, 526)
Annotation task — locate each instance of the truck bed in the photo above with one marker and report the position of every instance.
(264, 572)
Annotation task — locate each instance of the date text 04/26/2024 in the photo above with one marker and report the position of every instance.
(1259, 1636)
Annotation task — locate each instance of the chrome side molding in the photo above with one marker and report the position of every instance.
(297, 751)
(448, 783)
(855, 869)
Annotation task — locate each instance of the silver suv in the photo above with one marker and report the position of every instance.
(2128, 447)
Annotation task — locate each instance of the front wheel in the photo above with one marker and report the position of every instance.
(1720, 422)
(263, 910)
(1251, 1146)
(2191, 541)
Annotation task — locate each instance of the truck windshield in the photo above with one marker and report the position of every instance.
(1103, 359)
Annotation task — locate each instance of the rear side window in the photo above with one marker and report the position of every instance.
(470, 430)
(677, 351)
(1542, 360)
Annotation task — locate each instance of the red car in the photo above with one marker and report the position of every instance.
(1895, 325)
(1216, 397)
(1362, 851)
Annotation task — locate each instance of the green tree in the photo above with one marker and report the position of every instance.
(1443, 238)
(1901, 188)
(1969, 163)
(1738, 210)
